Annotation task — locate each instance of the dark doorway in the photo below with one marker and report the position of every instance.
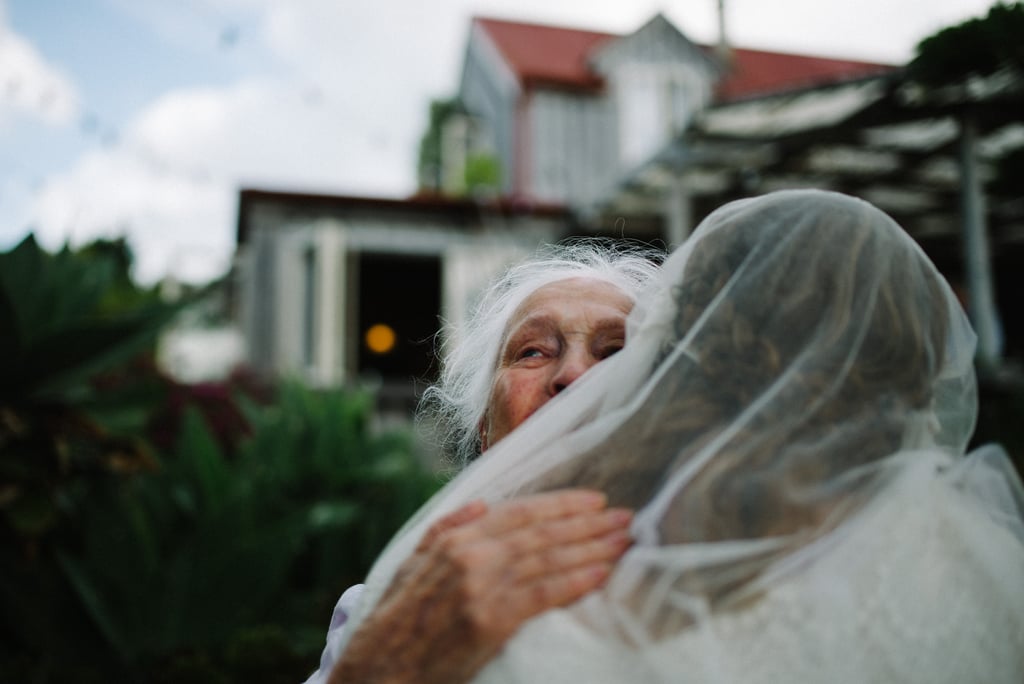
(399, 303)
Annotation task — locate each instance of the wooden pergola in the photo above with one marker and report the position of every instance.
(928, 157)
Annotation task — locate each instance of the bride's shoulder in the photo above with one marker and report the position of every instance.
(924, 585)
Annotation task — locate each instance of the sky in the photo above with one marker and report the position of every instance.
(144, 118)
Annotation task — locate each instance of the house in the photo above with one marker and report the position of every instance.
(567, 113)
(635, 136)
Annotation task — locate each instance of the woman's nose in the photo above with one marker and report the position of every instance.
(574, 363)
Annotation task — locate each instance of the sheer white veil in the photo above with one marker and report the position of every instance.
(798, 355)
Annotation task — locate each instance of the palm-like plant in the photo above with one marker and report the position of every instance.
(122, 562)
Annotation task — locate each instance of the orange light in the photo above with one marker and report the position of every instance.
(380, 338)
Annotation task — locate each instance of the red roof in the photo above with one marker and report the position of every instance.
(557, 56)
(547, 54)
(757, 72)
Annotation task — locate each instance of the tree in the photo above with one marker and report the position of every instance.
(980, 46)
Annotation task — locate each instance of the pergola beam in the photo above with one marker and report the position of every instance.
(977, 261)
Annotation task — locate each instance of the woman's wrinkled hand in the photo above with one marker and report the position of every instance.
(477, 575)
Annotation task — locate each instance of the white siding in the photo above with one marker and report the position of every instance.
(331, 314)
(252, 282)
(658, 79)
(654, 102)
(572, 155)
(467, 269)
(289, 302)
(489, 91)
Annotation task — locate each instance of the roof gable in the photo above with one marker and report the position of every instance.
(656, 41)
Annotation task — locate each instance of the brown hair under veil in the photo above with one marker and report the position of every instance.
(847, 307)
(833, 298)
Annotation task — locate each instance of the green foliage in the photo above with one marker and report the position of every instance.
(64, 319)
(429, 163)
(979, 46)
(483, 173)
(214, 558)
(318, 449)
(207, 559)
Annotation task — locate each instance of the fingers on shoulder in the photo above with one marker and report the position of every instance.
(565, 557)
(562, 589)
(584, 527)
(527, 510)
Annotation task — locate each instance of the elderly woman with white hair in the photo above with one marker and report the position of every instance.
(484, 570)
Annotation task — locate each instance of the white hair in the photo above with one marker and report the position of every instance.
(458, 401)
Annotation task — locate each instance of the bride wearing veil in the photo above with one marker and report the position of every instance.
(788, 419)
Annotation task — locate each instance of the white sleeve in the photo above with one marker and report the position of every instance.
(342, 609)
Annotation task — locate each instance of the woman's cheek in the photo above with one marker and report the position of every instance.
(518, 393)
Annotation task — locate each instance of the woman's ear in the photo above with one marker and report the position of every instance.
(482, 432)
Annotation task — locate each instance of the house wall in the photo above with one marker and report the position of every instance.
(459, 139)
(560, 146)
(657, 80)
(469, 267)
(573, 156)
(489, 91)
(289, 301)
(256, 282)
(247, 286)
(289, 312)
(653, 103)
(330, 317)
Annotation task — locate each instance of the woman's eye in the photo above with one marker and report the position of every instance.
(530, 353)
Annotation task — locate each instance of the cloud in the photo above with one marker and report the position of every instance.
(167, 217)
(274, 132)
(170, 184)
(31, 86)
(342, 115)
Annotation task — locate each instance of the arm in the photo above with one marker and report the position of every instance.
(476, 577)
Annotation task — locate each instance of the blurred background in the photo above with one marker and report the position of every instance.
(230, 231)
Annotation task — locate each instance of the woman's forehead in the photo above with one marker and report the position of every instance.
(572, 294)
